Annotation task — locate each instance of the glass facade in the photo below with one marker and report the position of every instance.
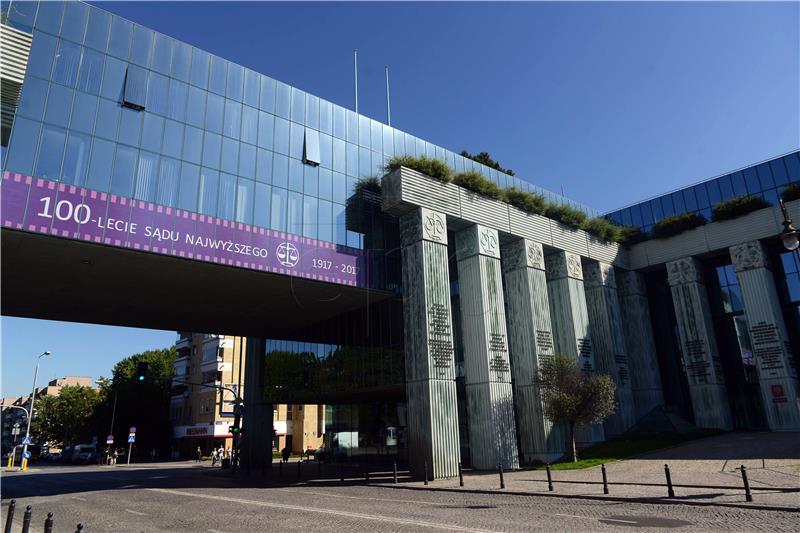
(765, 180)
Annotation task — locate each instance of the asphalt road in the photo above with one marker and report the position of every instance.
(190, 498)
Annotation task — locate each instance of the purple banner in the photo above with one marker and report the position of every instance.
(43, 206)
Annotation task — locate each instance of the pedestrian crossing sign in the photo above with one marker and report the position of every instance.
(26, 440)
(132, 437)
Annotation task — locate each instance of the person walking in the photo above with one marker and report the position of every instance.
(199, 453)
(214, 456)
(285, 452)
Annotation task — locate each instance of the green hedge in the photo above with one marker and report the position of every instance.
(791, 192)
(370, 183)
(476, 182)
(736, 207)
(526, 201)
(427, 165)
(630, 235)
(567, 215)
(603, 229)
(669, 226)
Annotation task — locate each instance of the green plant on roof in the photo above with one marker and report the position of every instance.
(673, 225)
(565, 214)
(736, 207)
(426, 165)
(526, 201)
(369, 184)
(478, 183)
(791, 192)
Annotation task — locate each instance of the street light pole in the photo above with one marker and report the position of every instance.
(790, 236)
(30, 413)
(104, 381)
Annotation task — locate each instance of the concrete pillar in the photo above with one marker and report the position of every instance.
(611, 355)
(698, 344)
(639, 341)
(571, 322)
(429, 352)
(257, 422)
(530, 338)
(487, 371)
(777, 375)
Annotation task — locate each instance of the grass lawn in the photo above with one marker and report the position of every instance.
(624, 447)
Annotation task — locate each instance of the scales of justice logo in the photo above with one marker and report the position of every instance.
(287, 254)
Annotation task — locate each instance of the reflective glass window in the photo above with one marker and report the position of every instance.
(411, 149)
(181, 60)
(90, 72)
(107, 119)
(235, 84)
(690, 200)
(209, 183)
(264, 166)
(376, 138)
(226, 205)
(310, 209)
(648, 217)
(153, 129)
(701, 193)
(48, 17)
(214, 113)
(295, 175)
(667, 207)
(40, 60)
(100, 165)
(23, 14)
(51, 151)
(34, 96)
(247, 160)
(199, 74)
(324, 226)
(83, 113)
(364, 165)
(281, 144)
(157, 91)
(196, 107)
(325, 189)
(168, 174)
(339, 122)
(130, 126)
(718, 190)
(173, 139)
(636, 216)
(135, 92)
(97, 29)
(283, 100)
(216, 80)
(793, 166)
(339, 159)
(779, 171)
(352, 159)
(764, 177)
(267, 99)
(296, 140)
(141, 46)
(727, 188)
(339, 187)
(280, 170)
(339, 225)
(162, 53)
(22, 151)
(249, 124)
(244, 200)
(310, 180)
(230, 155)
(312, 111)
(146, 177)
(400, 146)
(325, 150)
(212, 148)
(124, 171)
(294, 213)
(192, 144)
(363, 131)
(113, 79)
(388, 144)
(326, 117)
(119, 42)
(176, 103)
(261, 205)
(232, 124)
(68, 60)
(751, 181)
(76, 158)
(74, 25)
(266, 129)
(187, 190)
(252, 82)
(278, 209)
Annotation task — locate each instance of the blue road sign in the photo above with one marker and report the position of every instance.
(26, 440)
(132, 437)
(26, 455)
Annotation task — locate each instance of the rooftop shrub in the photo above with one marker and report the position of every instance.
(669, 226)
(791, 192)
(736, 207)
(426, 165)
(478, 183)
(603, 229)
(630, 235)
(369, 184)
(526, 201)
(565, 214)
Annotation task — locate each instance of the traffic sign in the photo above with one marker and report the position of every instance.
(132, 437)
(110, 439)
(132, 430)
(26, 440)
(26, 455)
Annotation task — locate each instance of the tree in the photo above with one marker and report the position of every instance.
(486, 159)
(68, 418)
(572, 396)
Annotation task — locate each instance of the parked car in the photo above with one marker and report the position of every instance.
(83, 453)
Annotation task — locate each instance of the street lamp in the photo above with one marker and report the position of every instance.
(790, 235)
(30, 413)
(109, 382)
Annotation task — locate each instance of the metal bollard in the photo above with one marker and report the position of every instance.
(48, 523)
(605, 478)
(502, 481)
(394, 472)
(425, 467)
(26, 519)
(10, 515)
(549, 478)
(670, 490)
(79, 529)
(747, 495)
(460, 475)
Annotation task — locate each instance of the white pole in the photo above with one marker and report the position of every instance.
(388, 107)
(30, 413)
(355, 70)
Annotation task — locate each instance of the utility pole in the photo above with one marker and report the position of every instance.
(30, 413)
(388, 107)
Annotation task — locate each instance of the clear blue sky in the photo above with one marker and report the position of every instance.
(613, 101)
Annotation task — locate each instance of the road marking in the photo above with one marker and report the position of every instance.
(364, 498)
(573, 516)
(363, 516)
(135, 512)
(616, 520)
(79, 498)
(129, 486)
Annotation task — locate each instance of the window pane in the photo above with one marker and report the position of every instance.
(352, 159)
(209, 182)
(793, 166)
(187, 190)
(298, 106)
(278, 209)
(49, 16)
(227, 196)
(261, 205)
(765, 176)
(40, 60)
(326, 117)
(192, 144)
(230, 155)
(76, 158)
(214, 113)
(146, 177)
(339, 226)
(34, 96)
(90, 72)
(266, 129)
(141, 46)
(325, 150)
(113, 79)
(135, 87)
(97, 29)
(107, 119)
(267, 99)
(177, 100)
(130, 126)
(364, 131)
(119, 42)
(168, 181)
(124, 171)
(324, 225)
(339, 187)
(22, 151)
(199, 76)
(264, 166)
(352, 127)
(244, 201)
(157, 94)
(281, 136)
(51, 150)
(196, 107)
(181, 60)
(311, 146)
(310, 217)
(325, 184)
(212, 148)
(312, 111)
(751, 180)
(100, 165)
(152, 132)
(294, 214)
(296, 136)
(779, 172)
(74, 25)
(247, 161)
(310, 180)
(232, 125)
(22, 16)
(173, 139)
(283, 100)
(251, 87)
(235, 83)
(295, 175)
(338, 122)
(249, 124)
(280, 170)
(162, 53)
(68, 60)
(216, 81)
(339, 155)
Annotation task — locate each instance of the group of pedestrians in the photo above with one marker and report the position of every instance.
(218, 455)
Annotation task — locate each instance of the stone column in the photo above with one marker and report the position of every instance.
(611, 355)
(530, 338)
(642, 357)
(699, 345)
(571, 322)
(487, 372)
(429, 353)
(777, 374)
(257, 424)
